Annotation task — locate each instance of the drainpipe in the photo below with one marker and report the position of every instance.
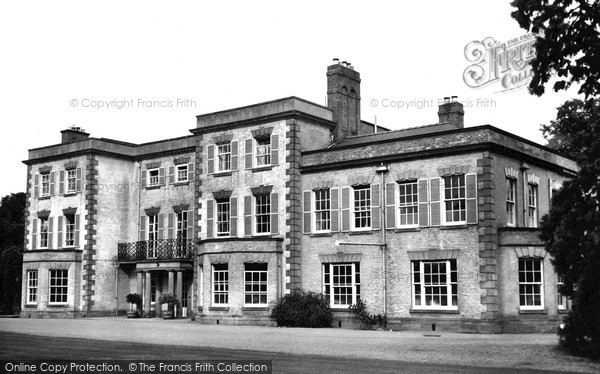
(382, 170)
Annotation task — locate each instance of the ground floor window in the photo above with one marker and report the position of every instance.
(562, 299)
(32, 286)
(220, 281)
(531, 285)
(59, 281)
(435, 284)
(341, 283)
(255, 283)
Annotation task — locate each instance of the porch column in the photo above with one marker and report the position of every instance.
(158, 305)
(179, 285)
(171, 284)
(140, 288)
(147, 295)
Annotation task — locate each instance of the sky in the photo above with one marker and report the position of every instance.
(140, 71)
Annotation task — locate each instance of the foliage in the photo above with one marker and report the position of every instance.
(134, 299)
(303, 309)
(12, 220)
(168, 298)
(571, 231)
(360, 312)
(567, 42)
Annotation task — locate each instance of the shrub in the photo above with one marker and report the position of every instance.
(134, 299)
(303, 309)
(360, 312)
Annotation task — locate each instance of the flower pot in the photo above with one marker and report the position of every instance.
(168, 314)
(132, 314)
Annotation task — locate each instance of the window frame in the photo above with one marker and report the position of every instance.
(223, 157)
(71, 181)
(511, 202)
(152, 230)
(180, 168)
(69, 230)
(252, 283)
(414, 204)
(266, 155)
(222, 204)
(32, 286)
(451, 284)
(539, 283)
(150, 177)
(44, 235)
(325, 212)
(329, 286)
(532, 197)
(262, 218)
(217, 280)
(53, 290)
(562, 301)
(365, 209)
(44, 184)
(461, 188)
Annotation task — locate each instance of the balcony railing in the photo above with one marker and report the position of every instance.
(161, 249)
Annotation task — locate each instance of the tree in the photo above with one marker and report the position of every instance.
(571, 231)
(12, 232)
(568, 42)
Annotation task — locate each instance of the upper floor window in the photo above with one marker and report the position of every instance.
(409, 204)
(224, 157)
(70, 230)
(455, 199)
(182, 173)
(44, 233)
(510, 201)
(263, 152)
(45, 184)
(223, 217)
(153, 177)
(322, 210)
(152, 235)
(71, 180)
(531, 283)
(263, 213)
(362, 207)
(532, 191)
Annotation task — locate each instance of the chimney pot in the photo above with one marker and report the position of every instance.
(336, 60)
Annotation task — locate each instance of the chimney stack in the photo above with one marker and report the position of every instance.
(451, 111)
(343, 98)
(73, 134)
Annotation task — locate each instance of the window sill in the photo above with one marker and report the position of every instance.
(44, 197)
(563, 311)
(153, 187)
(262, 168)
(58, 306)
(455, 227)
(223, 174)
(183, 183)
(533, 311)
(408, 229)
(218, 308)
(71, 193)
(320, 234)
(255, 309)
(433, 311)
(363, 232)
(31, 305)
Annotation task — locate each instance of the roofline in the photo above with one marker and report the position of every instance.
(466, 129)
(264, 103)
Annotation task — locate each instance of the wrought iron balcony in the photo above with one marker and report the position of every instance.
(161, 249)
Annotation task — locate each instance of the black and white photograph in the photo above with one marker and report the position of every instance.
(300, 187)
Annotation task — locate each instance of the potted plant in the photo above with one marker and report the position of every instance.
(171, 300)
(134, 299)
